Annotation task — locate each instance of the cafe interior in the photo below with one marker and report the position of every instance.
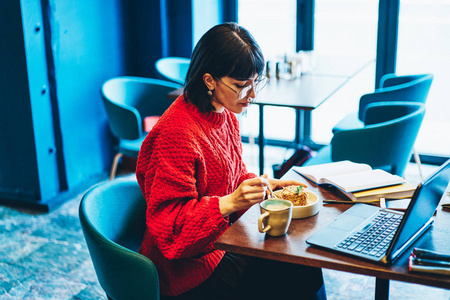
(64, 64)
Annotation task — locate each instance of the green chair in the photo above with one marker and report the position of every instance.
(128, 100)
(385, 142)
(173, 68)
(112, 217)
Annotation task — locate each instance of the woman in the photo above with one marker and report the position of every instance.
(191, 173)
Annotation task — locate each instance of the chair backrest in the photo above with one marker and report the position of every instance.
(387, 139)
(112, 217)
(410, 88)
(173, 68)
(128, 100)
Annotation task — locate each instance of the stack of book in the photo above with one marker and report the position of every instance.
(426, 261)
(357, 182)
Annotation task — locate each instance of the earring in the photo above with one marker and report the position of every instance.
(209, 93)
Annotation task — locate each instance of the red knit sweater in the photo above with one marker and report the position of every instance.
(186, 163)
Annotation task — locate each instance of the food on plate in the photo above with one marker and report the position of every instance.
(297, 194)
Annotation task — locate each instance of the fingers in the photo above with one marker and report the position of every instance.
(254, 189)
(258, 181)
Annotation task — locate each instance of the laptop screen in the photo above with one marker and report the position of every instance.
(423, 204)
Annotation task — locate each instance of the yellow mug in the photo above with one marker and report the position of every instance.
(275, 218)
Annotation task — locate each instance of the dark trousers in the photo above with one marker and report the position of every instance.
(243, 277)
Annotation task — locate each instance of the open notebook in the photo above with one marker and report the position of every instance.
(380, 234)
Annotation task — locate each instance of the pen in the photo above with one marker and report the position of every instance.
(349, 202)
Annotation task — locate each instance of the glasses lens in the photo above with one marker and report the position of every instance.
(260, 84)
(244, 92)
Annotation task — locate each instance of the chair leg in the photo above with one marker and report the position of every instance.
(114, 166)
(419, 164)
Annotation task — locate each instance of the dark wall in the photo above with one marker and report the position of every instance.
(142, 36)
(17, 145)
(155, 29)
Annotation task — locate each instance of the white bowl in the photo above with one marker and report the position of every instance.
(310, 209)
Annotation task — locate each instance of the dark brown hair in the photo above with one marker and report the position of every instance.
(225, 50)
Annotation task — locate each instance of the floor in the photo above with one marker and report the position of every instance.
(44, 256)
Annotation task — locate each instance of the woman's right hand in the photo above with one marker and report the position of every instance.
(249, 192)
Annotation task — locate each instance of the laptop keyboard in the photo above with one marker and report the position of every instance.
(375, 237)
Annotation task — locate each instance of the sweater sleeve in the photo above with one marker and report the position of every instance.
(181, 223)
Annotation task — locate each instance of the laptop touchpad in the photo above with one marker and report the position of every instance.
(347, 222)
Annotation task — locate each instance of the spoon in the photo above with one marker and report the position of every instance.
(270, 193)
(269, 190)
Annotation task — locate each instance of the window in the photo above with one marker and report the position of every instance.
(348, 28)
(272, 24)
(344, 30)
(423, 43)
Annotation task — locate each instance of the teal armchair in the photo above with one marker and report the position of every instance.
(173, 68)
(410, 88)
(385, 142)
(128, 100)
(112, 217)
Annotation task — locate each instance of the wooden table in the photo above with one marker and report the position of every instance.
(243, 237)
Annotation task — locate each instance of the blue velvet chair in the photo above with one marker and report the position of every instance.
(112, 217)
(173, 68)
(411, 88)
(128, 100)
(385, 141)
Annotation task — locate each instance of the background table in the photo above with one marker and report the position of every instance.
(327, 75)
(243, 237)
(302, 94)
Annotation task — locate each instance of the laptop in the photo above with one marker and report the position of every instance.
(379, 234)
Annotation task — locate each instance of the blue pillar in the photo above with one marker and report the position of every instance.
(305, 25)
(229, 11)
(388, 12)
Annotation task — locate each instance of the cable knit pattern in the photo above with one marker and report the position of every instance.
(186, 163)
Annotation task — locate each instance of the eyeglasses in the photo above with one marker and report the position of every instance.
(258, 85)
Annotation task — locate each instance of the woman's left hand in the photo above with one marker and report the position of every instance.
(276, 184)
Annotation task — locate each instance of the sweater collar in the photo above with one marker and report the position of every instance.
(215, 119)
